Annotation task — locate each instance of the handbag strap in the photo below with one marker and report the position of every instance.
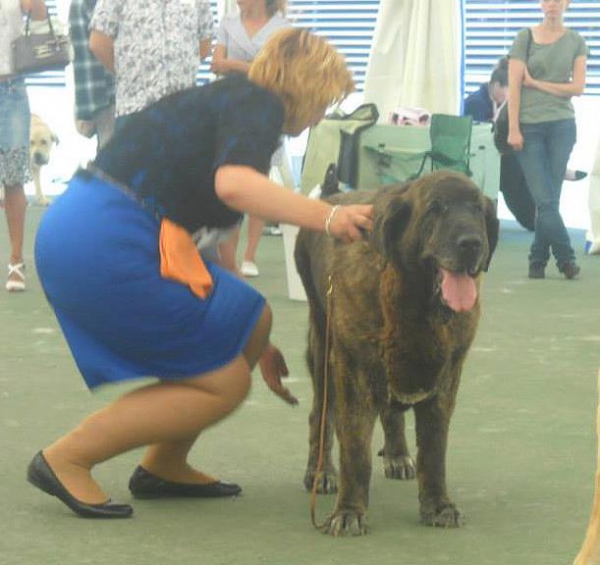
(48, 19)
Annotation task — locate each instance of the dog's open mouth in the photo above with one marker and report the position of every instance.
(459, 292)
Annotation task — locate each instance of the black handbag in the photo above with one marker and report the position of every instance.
(501, 123)
(39, 52)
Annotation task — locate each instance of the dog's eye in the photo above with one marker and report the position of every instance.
(437, 207)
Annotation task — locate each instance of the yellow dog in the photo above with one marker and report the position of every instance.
(41, 141)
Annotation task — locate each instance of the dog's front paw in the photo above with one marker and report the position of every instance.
(444, 516)
(326, 482)
(346, 523)
(402, 468)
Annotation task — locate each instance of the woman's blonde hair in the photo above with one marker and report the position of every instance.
(305, 71)
(274, 6)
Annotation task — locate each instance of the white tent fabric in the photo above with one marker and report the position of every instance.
(415, 59)
(593, 235)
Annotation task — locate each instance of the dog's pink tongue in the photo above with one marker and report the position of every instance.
(458, 290)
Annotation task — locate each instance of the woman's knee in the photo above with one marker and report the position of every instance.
(229, 385)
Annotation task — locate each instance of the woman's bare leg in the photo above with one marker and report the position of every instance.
(167, 416)
(15, 204)
(255, 229)
(168, 460)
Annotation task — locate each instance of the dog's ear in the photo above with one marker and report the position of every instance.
(55, 138)
(492, 226)
(390, 221)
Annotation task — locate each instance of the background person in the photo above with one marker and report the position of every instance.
(15, 120)
(484, 108)
(94, 85)
(144, 303)
(542, 127)
(484, 103)
(153, 48)
(239, 38)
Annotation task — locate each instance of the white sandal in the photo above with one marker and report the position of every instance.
(16, 284)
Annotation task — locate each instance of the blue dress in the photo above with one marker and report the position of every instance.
(97, 251)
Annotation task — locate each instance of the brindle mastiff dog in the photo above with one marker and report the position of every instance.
(404, 310)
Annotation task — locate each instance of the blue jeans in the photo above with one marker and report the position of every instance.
(546, 150)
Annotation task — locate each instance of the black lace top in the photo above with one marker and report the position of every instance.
(168, 153)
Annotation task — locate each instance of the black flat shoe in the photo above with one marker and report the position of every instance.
(146, 485)
(570, 269)
(537, 271)
(40, 474)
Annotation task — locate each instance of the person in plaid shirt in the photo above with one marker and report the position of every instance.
(94, 85)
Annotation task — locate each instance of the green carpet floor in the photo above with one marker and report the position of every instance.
(521, 460)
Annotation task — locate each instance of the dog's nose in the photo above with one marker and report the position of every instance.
(470, 244)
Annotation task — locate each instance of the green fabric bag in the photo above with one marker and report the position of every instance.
(335, 139)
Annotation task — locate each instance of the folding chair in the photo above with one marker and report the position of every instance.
(450, 144)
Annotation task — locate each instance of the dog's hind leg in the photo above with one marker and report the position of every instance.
(327, 475)
(397, 462)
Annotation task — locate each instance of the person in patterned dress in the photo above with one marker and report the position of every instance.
(153, 49)
(239, 38)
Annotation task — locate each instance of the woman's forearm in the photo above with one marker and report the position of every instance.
(560, 89)
(102, 47)
(574, 87)
(246, 190)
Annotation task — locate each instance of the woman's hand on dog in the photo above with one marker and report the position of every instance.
(350, 223)
(273, 368)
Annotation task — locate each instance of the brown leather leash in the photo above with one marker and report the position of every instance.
(323, 423)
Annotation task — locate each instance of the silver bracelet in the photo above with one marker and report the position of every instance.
(330, 218)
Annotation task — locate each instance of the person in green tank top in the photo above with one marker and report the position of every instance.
(547, 68)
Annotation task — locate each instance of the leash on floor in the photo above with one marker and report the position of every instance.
(323, 423)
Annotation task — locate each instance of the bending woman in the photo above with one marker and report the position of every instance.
(134, 297)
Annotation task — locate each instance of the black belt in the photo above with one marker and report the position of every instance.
(149, 203)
